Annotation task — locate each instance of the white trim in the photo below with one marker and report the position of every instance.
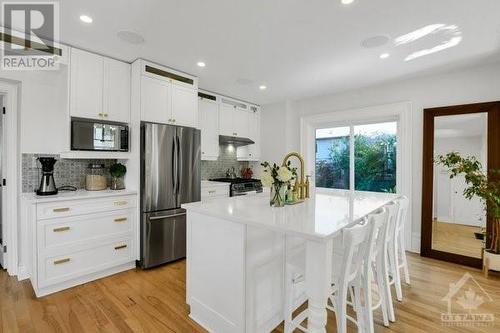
(398, 111)
(12, 174)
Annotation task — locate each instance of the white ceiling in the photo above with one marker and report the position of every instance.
(296, 48)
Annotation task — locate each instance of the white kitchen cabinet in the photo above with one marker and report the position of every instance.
(79, 237)
(184, 102)
(155, 100)
(116, 99)
(209, 123)
(86, 84)
(233, 120)
(168, 96)
(226, 119)
(251, 152)
(99, 87)
(240, 122)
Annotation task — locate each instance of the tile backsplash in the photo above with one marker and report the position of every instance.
(72, 171)
(66, 171)
(227, 160)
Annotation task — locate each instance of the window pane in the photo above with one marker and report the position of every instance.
(375, 157)
(332, 158)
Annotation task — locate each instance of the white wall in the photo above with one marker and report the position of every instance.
(43, 109)
(281, 121)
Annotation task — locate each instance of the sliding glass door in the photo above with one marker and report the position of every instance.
(359, 156)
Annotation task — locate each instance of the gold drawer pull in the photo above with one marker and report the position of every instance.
(211, 192)
(119, 247)
(121, 203)
(61, 229)
(121, 219)
(60, 210)
(61, 261)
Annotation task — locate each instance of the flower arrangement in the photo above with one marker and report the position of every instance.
(279, 179)
(488, 190)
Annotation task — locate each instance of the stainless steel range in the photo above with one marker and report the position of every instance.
(241, 186)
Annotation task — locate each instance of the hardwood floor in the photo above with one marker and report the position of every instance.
(154, 301)
(456, 238)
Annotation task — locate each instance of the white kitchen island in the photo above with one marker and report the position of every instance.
(235, 257)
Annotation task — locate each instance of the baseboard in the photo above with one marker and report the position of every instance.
(83, 279)
(415, 242)
(23, 273)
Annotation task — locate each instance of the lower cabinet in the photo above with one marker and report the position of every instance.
(92, 238)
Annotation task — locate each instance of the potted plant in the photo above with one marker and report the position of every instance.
(479, 185)
(117, 171)
(278, 178)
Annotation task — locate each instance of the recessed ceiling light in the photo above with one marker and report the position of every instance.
(86, 19)
(384, 55)
(201, 64)
(130, 37)
(262, 87)
(347, 2)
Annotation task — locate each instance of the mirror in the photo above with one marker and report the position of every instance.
(457, 222)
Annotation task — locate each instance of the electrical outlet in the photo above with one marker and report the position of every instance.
(34, 162)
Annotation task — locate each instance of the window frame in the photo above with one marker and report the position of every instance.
(352, 164)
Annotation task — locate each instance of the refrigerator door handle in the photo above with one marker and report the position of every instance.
(165, 216)
(178, 178)
(174, 165)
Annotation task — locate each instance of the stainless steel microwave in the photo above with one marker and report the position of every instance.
(98, 135)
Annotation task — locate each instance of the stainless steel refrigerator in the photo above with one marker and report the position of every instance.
(170, 176)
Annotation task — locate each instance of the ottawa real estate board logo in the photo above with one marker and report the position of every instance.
(29, 34)
(465, 303)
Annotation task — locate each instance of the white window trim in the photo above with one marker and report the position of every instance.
(400, 112)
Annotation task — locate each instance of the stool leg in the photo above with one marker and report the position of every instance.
(403, 258)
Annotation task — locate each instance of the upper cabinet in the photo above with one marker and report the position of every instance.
(168, 96)
(209, 124)
(233, 118)
(116, 90)
(251, 152)
(99, 87)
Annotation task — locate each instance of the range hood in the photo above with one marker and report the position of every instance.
(234, 140)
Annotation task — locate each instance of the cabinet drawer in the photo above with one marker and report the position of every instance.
(215, 191)
(69, 230)
(84, 206)
(56, 269)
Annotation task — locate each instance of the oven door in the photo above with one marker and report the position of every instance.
(101, 136)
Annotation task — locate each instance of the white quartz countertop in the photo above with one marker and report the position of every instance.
(75, 195)
(210, 183)
(320, 217)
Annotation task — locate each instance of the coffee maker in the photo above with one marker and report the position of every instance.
(47, 184)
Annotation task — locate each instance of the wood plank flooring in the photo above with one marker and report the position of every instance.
(456, 238)
(154, 301)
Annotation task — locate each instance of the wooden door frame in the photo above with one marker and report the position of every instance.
(493, 111)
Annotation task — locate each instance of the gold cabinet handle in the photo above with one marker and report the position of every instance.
(61, 261)
(61, 229)
(120, 203)
(101, 114)
(60, 210)
(211, 192)
(119, 247)
(121, 219)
